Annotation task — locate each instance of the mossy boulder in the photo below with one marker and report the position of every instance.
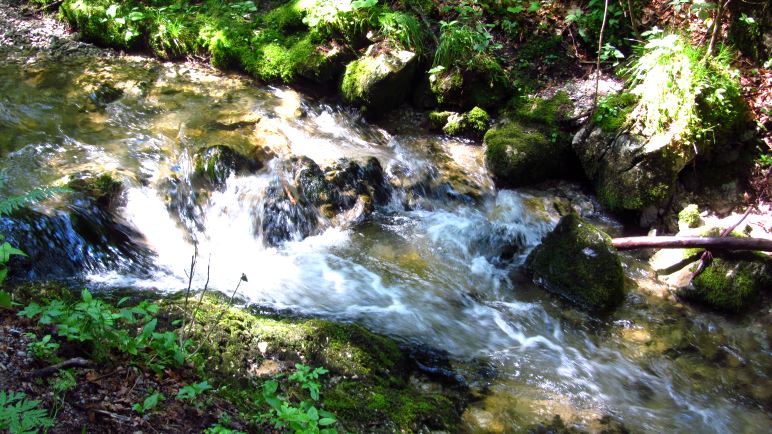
(731, 283)
(630, 172)
(473, 123)
(689, 216)
(368, 387)
(577, 262)
(482, 83)
(530, 145)
(216, 163)
(380, 80)
(518, 155)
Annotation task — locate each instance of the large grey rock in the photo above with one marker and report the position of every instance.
(629, 171)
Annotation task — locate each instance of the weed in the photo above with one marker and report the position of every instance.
(20, 415)
(303, 416)
(149, 403)
(42, 349)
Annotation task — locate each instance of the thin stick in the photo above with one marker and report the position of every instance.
(597, 64)
(187, 293)
(243, 278)
(200, 300)
(722, 243)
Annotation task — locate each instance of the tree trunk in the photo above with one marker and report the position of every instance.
(713, 243)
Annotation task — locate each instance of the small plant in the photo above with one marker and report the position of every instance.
(20, 415)
(61, 383)
(219, 429)
(150, 402)
(193, 391)
(303, 417)
(42, 349)
(127, 330)
(693, 98)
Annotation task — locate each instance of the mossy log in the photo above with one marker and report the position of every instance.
(713, 243)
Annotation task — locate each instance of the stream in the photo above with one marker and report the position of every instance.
(434, 265)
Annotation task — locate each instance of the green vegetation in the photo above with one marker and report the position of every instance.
(613, 112)
(102, 329)
(19, 415)
(693, 100)
(730, 284)
(690, 216)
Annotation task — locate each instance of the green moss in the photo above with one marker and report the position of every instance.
(103, 188)
(577, 262)
(690, 216)
(370, 386)
(242, 339)
(409, 409)
(437, 120)
(477, 120)
(613, 111)
(379, 82)
(517, 155)
(729, 285)
(541, 111)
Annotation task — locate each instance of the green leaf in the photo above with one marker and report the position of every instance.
(270, 387)
(123, 300)
(149, 327)
(112, 11)
(86, 296)
(5, 299)
(533, 7)
(326, 421)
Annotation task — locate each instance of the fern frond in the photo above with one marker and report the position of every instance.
(11, 204)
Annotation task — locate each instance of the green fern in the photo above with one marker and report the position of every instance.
(21, 415)
(11, 204)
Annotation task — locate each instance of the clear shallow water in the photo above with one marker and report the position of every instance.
(430, 273)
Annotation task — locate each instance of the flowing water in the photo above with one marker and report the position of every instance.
(435, 266)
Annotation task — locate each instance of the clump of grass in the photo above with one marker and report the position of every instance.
(689, 97)
(404, 29)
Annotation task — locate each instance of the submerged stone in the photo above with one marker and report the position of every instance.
(577, 262)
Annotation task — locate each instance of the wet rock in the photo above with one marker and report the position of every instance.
(78, 235)
(344, 193)
(104, 189)
(284, 216)
(731, 283)
(215, 164)
(105, 94)
(380, 80)
(577, 262)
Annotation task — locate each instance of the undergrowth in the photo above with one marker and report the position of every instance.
(692, 98)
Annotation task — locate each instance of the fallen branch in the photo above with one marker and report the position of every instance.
(718, 243)
(77, 362)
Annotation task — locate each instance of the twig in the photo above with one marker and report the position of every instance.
(187, 292)
(243, 278)
(50, 6)
(77, 362)
(198, 305)
(597, 65)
